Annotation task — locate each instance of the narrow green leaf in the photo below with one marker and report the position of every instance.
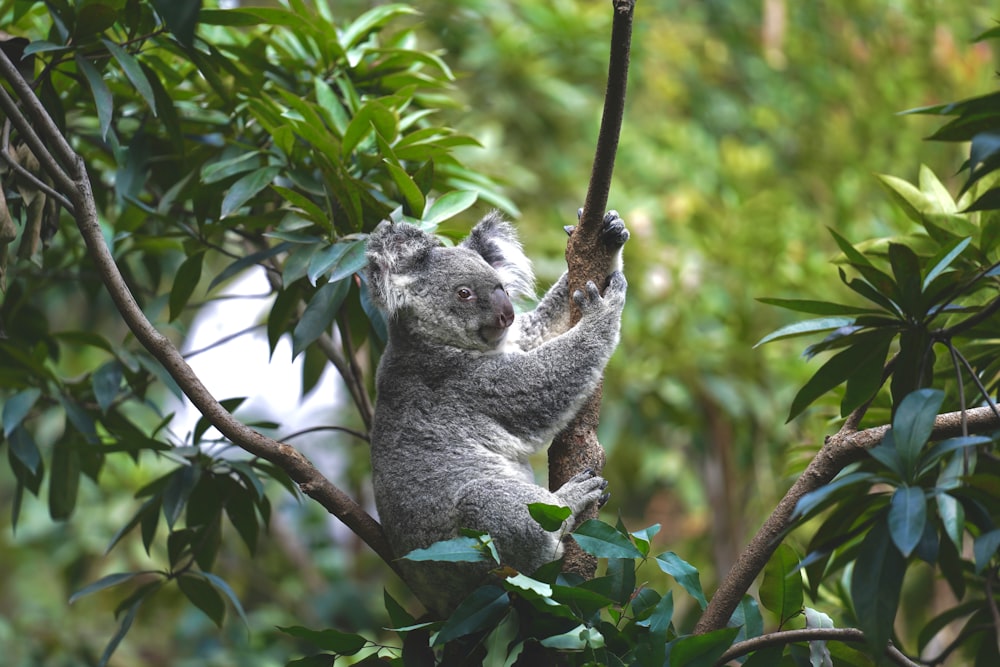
(203, 596)
(325, 258)
(448, 206)
(886, 454)
(102, 95)
(17, 407)
(24, 449)
(177, 491)
(912, 425)
(181, 17)
(781, 590)
(950, 254)
(599, 539)
(219, 170)
(907, 518)
(684, 573)
(837, 370)
(64, 479)
(134, 73)
(411, 193)
(876, 585)
(223, 587)
(663, 613)
(806, 327)
(185, 281)
(246, 187)
(456, 550)
(106, 383)
(549, 517)
(342, 643)
(134, 521)
(748, 619)
(814, 500)
(245, 262)
(104, 582)
(123, 628)
(497, 642)
(906, 270)
(817, 307)
(371, 20)
(985, 548)
(319, 314)
(483, 609)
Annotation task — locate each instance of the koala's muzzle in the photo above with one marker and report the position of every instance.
(503, 310)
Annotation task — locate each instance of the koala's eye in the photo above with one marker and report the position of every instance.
(465, 294)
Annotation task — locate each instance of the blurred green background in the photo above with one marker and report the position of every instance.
(750, 128)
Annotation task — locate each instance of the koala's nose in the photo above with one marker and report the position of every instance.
(502, 308)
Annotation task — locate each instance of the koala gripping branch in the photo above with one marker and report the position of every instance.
(587, 258)
(67, 170)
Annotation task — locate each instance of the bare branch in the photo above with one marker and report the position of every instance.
(75, 181)
(837, 452)
(848, 635)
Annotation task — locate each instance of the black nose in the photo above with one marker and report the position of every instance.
(502, 308)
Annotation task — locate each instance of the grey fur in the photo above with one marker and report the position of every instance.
(465, 397)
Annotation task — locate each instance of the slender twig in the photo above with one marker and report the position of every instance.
(223, 340)
(27, 175)
(979, 384)
(784, 637)
(961, 385)
(315, 429)
(837, 452)
(969, 322)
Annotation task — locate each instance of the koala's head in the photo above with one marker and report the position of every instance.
(458, 296)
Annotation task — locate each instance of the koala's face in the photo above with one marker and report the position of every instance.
(457, 299)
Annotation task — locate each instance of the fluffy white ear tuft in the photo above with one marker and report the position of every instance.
(394, 250)
(496, 241)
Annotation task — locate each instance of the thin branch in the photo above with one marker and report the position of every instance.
(316, 429)
(299, 469)
(27, 175)
(223, 340)
(839, 450)
(846, 635)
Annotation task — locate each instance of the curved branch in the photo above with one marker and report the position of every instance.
(839, 450)
(847, 635)
(69, 171)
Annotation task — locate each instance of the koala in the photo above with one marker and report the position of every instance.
(468, 391)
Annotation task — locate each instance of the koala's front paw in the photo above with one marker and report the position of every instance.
(614, 295)
(614, 233)
(582, 490)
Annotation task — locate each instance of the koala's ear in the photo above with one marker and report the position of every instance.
(395, 253)
(496, 241)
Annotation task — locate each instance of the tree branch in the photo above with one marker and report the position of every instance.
(848, 635)
(69, 172)
(839, 450)
(587, 258)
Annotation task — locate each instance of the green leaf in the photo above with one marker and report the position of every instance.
(659, 621)
(806, 327)
(578, 639)
(106, 383)
(817, 307)
(603, 541)
(103, 100)
(245, 262)
(907, 518)
(814, 500)
(342, 643)
(684, 573)
(339, 260)
(398, 616)
(886, 454)
(223, 587)
(370, 21)
(448, 206)
(701, 650)
(781, 588)
(484, 608)
(181, 17)
(203, 423)
(17, 407)
(912, 426)
(951, 252)
(104, 582)
(644, 538)
(177, 491)
(985, 548)
(412, 195)
(24, 449)
(203, 596)
(64, 479)
(185, 281)
(875, 586)
(837, 370)
(123, 627)
(134, 73)
(497, 642)
(319, 314)
(549, 517)
(456, 550)
(246, 187)
(906, 270)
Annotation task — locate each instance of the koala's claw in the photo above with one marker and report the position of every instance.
(614, 233)
(603, 500)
